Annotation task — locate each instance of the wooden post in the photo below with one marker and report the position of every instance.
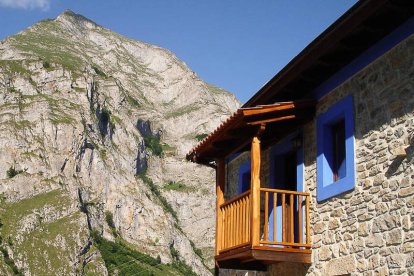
(220, 179)
(255, 191)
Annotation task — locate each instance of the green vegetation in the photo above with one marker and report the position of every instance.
(43, 258)
(182, 111)
(196, 250)
(46, 64)
(201, 137)
(109, 218)
(14, 66)
(114, 120)
(56, 107)
(121, 259)
(12, 213)
(216, 90)
(61, 118)
(178, 264)
(132, 101)
(177, 186)
(45, 42)
(99, 72)
(107, 116)
(102, 153)
(12, 172)
(154, 144)
(154, 189)
(9, 262)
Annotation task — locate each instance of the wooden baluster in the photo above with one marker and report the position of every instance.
(231, 225)
(243, 237)
(234, 223)
(238, 222)
(283, 218)
(223, 233)
(228, 226)
(274, 216)
(248, 219)
(300, 218)
(225, 227)
(233, 235)
(266, 222)
(292, 219)
(220, 181)
(241, 221)
(307, 221)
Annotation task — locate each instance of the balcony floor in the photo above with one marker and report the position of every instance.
(258, 257)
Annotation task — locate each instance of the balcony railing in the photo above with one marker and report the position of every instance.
(235, 230)
(284, 221)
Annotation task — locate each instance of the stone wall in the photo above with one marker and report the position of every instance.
(369, 230)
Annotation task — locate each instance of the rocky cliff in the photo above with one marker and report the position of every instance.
(94, 128)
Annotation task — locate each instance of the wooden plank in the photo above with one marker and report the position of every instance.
(223, 231)
(307, 220)
(231, 225)
(300, 219)
(266, 222)
(248, 213)
(283, 218)
(276, 256)
(272, 120)
(244, 219)
(264, 109)
(295, 244)
(281, 249)
(255, 191)
(243, 245)
(237, 205)
(220, 183)
(283, 191)
(292, 220)
(228, 227)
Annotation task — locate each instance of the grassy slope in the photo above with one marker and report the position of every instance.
(48, 247)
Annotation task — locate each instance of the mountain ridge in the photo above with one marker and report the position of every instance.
(102, 122)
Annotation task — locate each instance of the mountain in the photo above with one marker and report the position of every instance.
(94, 128)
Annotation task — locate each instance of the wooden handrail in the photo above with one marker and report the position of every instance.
(284, 191)
(295, 244)
(292, 224)
(235, 199)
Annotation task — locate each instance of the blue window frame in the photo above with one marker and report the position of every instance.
(335, 141)
(244, 177)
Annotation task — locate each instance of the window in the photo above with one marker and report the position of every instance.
(244, 177)
(338, 150)
(335, 141)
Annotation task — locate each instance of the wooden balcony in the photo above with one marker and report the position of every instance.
(281, 231)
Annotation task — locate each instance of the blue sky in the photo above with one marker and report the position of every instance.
(235, 44)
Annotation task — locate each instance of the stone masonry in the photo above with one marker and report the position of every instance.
(368, 230)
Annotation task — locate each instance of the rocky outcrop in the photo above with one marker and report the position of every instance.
(93, 123)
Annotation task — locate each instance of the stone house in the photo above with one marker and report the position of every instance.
(315, 172)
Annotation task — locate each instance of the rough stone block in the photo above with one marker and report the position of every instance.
(385, 222)
(406, 191)
(394, 237)
(374, 241)
(363, 229)
(341, 266)
(324, 253)
(396, 260)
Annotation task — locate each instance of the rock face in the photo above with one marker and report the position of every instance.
(93, 123)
